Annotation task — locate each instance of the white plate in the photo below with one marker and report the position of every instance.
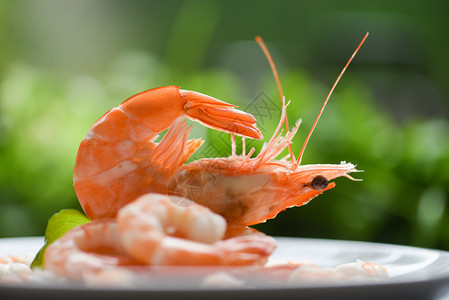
(402, 262)
(415, 273)
(17, 246)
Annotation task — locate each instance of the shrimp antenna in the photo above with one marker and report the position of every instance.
(262, 45)
(327, 99)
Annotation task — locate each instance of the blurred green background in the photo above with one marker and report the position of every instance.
(64, 63)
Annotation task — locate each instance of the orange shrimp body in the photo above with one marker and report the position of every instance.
(119, 159)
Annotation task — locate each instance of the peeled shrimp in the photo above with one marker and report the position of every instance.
(296, 274)
(156, 230)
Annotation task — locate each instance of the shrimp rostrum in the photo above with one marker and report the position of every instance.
(120, 160)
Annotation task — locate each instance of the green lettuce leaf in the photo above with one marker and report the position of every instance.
(57, 226)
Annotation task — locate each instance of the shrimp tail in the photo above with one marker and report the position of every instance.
(219, 115)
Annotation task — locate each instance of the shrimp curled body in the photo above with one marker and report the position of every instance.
(155, 230)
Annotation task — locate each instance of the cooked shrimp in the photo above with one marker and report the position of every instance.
(156, 230)
(90, 247)
(295, 274)
(119, 160)
(361, 268)
(358, 270)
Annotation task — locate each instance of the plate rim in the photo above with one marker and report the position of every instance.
(330, 286)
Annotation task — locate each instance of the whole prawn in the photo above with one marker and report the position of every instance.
(120, 161)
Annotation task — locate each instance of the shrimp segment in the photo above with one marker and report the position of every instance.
(118, 160)
(156, 231)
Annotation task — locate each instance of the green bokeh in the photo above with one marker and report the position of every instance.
(64, 63)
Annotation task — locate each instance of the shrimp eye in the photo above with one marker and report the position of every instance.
(319, 183)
